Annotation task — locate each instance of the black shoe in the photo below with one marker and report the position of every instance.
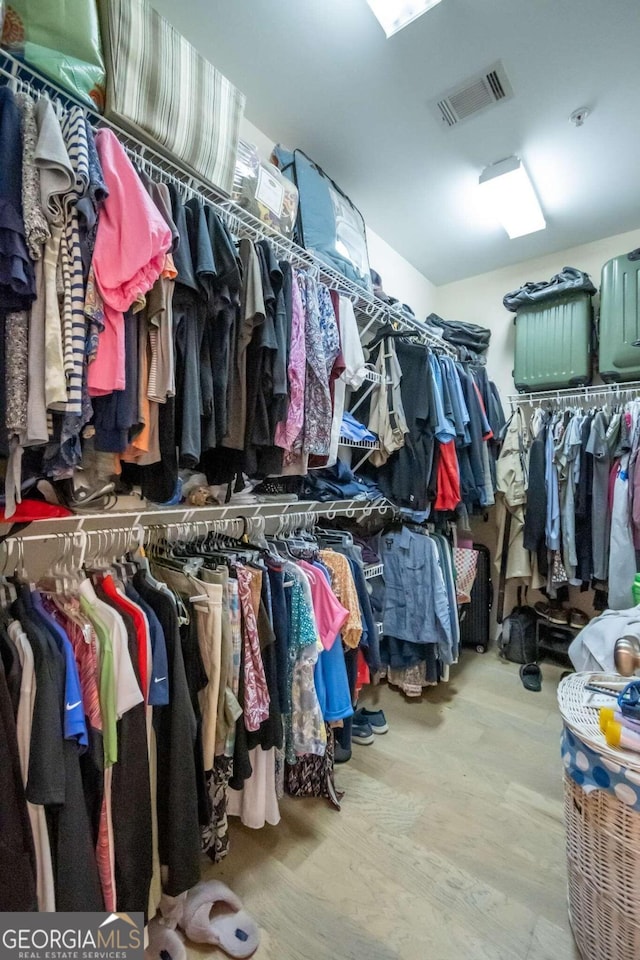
(340, 755)
(85, 498)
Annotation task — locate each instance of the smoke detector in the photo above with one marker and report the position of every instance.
(578, 117)
(473, 96)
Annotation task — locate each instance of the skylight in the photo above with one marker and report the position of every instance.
(393, 15)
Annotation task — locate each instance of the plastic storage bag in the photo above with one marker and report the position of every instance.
(160, 88)
(60, 39)
(261, 189)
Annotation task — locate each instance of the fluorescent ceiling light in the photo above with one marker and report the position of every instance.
(393, 15)
(510, 197)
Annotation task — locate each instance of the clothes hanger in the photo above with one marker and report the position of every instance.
(55, 582)
(186, 552)
(73, 562)
(280, 541)
(123, 568)
(8, 592)
(343, 537)
(20, 574)
(238, 541)
(253, 536)
(100, 563)
(68, 570)
(208, 550)
(142, 561)
(154, 545)
(296, 541)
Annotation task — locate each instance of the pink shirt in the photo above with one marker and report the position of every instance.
(289, 431)
(131, 242)
(330, 615)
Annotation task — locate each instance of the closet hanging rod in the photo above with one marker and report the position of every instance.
(614, 390)
(239, 221)
(103, 522)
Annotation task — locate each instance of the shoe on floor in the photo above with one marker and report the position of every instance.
(164, 942)
(552, 612)
(531, 676)
(362, 733)
(542, 609)
(559, 616)
(375, 718)
(340, 755)
(578, 619)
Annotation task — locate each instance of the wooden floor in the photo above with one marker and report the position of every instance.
(449, 845)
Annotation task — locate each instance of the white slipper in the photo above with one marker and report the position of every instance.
(164, 943)
(212, 913)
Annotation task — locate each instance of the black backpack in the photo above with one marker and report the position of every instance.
(518, 640)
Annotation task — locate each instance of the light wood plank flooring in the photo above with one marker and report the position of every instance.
(449, 845)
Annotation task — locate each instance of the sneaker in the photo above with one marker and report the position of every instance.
(340, 755)
(577, 619)
(552, 612)
(375, 718)
(559, 616)
(362, 733)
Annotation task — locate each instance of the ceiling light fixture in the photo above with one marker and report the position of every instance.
(510, 196)
(393, 15)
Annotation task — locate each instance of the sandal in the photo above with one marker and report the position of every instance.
(531, 676)
(211, 913)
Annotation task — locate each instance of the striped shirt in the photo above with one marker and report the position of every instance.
(73, 319)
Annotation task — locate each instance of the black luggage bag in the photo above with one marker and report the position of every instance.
(475, 617)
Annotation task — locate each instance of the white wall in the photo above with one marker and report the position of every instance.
(399, 278)
(252, 134)
(479, 299)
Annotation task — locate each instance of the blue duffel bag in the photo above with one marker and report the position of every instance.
(328, 223)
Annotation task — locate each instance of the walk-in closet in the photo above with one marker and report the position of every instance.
(319, 432)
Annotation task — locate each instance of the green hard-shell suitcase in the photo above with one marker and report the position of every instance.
(553, 343)
(619, 356)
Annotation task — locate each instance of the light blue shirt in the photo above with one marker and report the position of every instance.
(445, 429)
(552, 525)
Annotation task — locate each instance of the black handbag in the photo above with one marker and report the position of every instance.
(569, 280)
(469, 335)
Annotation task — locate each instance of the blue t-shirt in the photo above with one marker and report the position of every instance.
(75, 725)
(330, 677)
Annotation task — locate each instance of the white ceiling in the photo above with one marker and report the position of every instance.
(320, 75)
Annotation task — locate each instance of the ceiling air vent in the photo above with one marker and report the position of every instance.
(473, 96)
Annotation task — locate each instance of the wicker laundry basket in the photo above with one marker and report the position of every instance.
(603, 832)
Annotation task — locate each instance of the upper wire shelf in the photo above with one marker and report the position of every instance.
(373, 570)
(240, 222)
(359, 444)
(205, 517)
(577, 394)
(372, 376)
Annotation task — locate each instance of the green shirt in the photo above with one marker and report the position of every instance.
(106, 686)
